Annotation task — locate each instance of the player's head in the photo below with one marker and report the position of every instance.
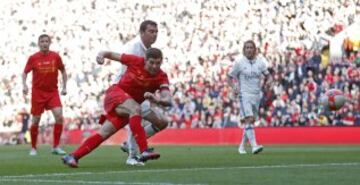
(44, 42)
(148, 32)
(153, 60)
(249, 49)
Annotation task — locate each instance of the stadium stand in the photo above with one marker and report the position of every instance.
(200, 40)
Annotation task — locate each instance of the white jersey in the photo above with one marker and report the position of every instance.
(249, 74)
(133, 47)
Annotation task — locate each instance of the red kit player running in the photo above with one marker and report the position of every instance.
(142, 78)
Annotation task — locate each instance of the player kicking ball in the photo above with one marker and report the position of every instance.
(142, 78)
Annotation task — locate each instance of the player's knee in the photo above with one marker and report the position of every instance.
(106, 130)
(130, 108)
(59, 119)
(36, 120)
(135, 110)
(250, 120)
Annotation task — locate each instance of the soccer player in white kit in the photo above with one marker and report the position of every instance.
(138, 46)
(245, 79)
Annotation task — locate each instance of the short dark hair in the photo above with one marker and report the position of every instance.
(44, 35)
(153, 53)
(145, 23)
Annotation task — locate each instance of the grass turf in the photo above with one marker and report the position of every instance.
(190, 165)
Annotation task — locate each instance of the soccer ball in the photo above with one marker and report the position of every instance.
(333, 99)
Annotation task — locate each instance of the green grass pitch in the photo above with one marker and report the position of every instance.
(188, 165)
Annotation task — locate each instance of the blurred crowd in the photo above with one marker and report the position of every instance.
(200, 40)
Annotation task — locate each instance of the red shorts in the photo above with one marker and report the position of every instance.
(43, 100)
(114, 96)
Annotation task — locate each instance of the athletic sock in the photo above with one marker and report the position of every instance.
(138, 132)
(34, 131)
(250, 133)
(132, 145)
(88, 145)
(150, 130)
(57, 134)
(243, 139)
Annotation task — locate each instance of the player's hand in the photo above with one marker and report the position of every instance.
(63, 91)
(100, 58)
(151, 97)
(25, 90)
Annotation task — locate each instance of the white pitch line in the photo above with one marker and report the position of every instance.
(182, 169)
(86, 182)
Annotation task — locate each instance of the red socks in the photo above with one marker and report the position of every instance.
(138, 132)
(34, 130)
(89, 145)
(57, 134)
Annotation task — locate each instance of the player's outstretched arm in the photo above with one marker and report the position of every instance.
(107, 55)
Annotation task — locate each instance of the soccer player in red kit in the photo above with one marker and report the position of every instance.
(45, 95)
(141, 80)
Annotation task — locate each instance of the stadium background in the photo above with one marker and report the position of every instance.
(311, 46)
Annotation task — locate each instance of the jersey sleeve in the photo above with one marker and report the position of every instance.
(29, 65)
(263, 67)
(234, 71)
(129, 60)
(60, 63)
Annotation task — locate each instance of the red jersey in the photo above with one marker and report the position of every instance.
(136, 80)
(45, 70)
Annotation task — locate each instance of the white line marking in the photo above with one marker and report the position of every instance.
(183, 169)
(86, 182)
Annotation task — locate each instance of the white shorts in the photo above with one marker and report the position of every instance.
(249, 106)
(145, 108)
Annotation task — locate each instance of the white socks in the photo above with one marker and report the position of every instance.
(250, 133)
(243, 140)
(133, 147)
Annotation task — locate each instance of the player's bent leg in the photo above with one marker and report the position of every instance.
(130, 146)
(131, 109)
(158, 123)
(107, 130)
